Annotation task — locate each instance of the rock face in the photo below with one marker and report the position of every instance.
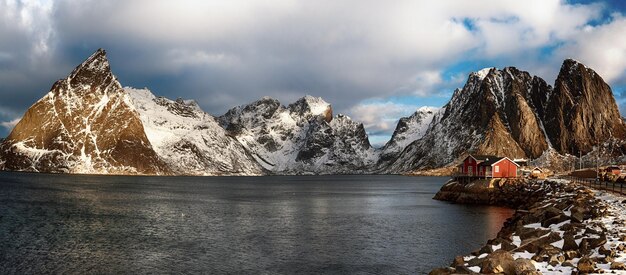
(409, 129)
(302, 138)
(85, 124)
(491, 115)
(189, 140)
(581, 110)
(88, 123)
(509, 112)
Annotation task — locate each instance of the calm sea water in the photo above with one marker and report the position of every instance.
(243, 225)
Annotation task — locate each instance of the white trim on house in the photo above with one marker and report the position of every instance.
(503, 159)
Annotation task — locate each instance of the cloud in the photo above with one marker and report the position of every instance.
(380, 117)
(226, 53)
(10, 124)
(602, 48)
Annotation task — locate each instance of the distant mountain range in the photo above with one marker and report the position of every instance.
(88, 123)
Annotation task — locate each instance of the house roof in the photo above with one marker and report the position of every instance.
(483, 157)
(493, 161)
(490, 161)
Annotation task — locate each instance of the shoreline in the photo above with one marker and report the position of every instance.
(558, 227)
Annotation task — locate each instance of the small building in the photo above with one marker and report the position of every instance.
(488, 167)
(469, 166)
(536, 173)
(615, 170)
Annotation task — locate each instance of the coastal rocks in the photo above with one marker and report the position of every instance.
(503, 192)
(558, 228)
(586, 265)
(525, 267)
(499, 261)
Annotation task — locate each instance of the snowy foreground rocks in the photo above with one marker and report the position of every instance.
(558, 228)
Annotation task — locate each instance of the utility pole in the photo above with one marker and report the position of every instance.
(580, 159)
(597, 159)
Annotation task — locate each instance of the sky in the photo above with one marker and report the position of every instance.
(375, 61)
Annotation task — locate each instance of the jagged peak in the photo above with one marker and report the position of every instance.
(97, 62)
(571, 65)
(94, 74)
(427, 109)
(481, 74)
(314, 105)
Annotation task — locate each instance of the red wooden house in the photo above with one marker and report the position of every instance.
(488, 167)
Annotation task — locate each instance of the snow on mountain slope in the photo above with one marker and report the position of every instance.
(492, 114)
(85, 124)
(302, 138)
(189, 140)
(409, 129)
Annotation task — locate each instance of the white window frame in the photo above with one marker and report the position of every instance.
(497, 169)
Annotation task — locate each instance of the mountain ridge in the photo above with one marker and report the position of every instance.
(88, 123)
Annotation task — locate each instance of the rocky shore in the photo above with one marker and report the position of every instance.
(558, 227)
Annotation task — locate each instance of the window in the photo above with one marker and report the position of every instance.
(497, 168)
(469, 170)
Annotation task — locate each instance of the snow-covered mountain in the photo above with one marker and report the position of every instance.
(511, 113)
(85, 124)
(408, 130)
(302, 138)
(189, 140)
(88, 123)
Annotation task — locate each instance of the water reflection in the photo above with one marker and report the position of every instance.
(278, 225)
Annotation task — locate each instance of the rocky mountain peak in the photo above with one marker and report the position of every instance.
(309, 106)
(85, 124)
(581, 111)
(93, 73)
(481, 74)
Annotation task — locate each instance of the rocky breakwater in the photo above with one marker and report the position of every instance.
(558, 227)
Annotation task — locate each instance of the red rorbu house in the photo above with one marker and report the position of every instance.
(488, 167)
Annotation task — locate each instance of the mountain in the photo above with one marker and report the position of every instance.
(189, 140)
(508, 112)
(409, 129)
(85, 124)
(302, 138)
(88, 123)
(581, 110)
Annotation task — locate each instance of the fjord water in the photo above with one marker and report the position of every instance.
(213, 225)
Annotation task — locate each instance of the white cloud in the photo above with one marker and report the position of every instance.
(380, 117)
(231, 52)
(10, 124)
(31, 20)
(602, 48)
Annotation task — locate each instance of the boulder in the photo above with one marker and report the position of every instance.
(618, 266)
(571, 254)
(578, 214)
(606, 252)
(485, 249)
(458, 261)
(535, 245)
(527, 233)
(499, 261)
(569, 243)
(554, 220)
(475, 261)
(586, 265)
(524, 266)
